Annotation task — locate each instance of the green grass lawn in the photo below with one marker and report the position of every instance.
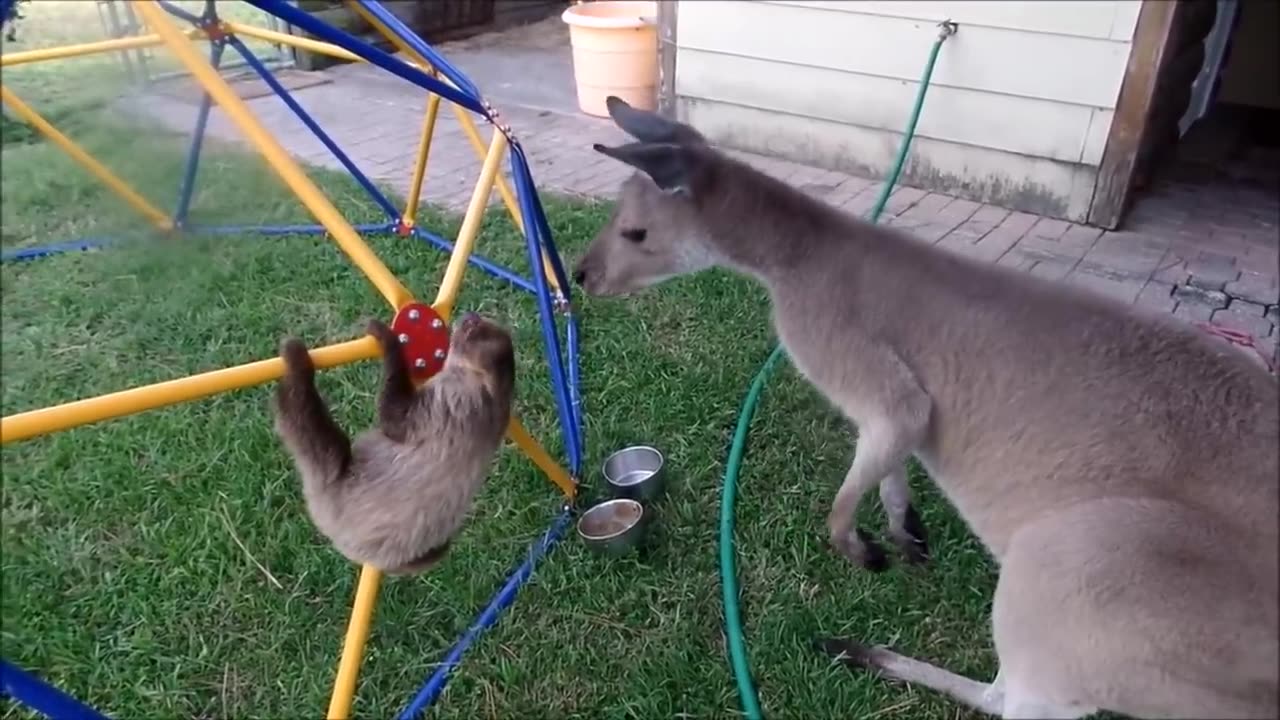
(132, 548)
(56, 87)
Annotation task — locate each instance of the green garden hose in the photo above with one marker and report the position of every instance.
(728, 575)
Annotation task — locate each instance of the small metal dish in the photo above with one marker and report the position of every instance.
(635, 472)
(613, 527)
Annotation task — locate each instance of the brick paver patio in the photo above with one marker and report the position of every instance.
(1201, 252)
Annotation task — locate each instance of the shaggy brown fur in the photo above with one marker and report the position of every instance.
(396, 497)
(1121, 468)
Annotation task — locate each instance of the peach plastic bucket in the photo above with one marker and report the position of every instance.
(615, 52)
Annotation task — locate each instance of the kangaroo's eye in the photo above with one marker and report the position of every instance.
(635, 235)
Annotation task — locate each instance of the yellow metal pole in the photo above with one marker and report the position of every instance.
(429, 123)
(23, 426)
(540, 457)
(276, 156)
(466, 241)
(477, 144)
(344, 685)
(420, 165)
(504, 189)
(85, 160)
(84, 49)
(391, 37)
(469, 128)
(315, 46)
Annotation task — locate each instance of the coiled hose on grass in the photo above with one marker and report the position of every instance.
(728, 574)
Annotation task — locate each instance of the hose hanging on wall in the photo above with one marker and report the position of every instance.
(728, 575)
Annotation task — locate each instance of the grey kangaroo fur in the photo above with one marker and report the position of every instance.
(1121, 469)
(398, 495)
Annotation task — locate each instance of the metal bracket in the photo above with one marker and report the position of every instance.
(492, 115)
(571, 506)
(215, 30)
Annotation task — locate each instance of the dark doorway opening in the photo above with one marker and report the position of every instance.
(1212, 140)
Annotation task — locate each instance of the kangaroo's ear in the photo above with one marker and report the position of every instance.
(650, 127)
(668, 164)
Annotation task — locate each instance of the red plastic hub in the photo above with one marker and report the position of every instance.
(215, 31)
(424, 339)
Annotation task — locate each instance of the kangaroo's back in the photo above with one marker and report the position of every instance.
(1048, 392)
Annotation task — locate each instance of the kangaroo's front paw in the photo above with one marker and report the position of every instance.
(858, 547)
(911, 537)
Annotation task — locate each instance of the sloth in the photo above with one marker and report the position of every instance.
(396, 497)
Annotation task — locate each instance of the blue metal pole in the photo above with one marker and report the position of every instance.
(43, 697)
(571, 326)
(33, 253)
(307, 120)
(178, 12)
(575, 376)
(384, 60)
(544, 228)
(526, 187)
(282, 229)
(479, 261)
(487, 618)
(550, 334)
(6, 7)
(197, 143)
(438, 61)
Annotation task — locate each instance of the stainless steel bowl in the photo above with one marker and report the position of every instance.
(635, 472)
(613, 527)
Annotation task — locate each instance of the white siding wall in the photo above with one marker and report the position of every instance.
(1017, 112)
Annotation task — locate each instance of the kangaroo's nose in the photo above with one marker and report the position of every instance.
(580, 276)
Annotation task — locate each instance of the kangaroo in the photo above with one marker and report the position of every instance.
(1122, 469)
(396, 498)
